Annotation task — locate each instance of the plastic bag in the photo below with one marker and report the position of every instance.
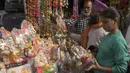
(4, 32)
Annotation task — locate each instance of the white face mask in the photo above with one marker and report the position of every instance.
(86, 14)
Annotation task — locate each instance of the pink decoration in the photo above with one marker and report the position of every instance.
(40, 70)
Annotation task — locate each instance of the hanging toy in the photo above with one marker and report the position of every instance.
(50, 7)
(75, 9)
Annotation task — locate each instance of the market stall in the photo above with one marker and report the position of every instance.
(42, 44)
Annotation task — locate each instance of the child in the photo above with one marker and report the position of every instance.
(94, 33)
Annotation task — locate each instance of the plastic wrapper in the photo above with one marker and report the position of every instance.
(4, 33)
(78, 51)
(43, 55)
(29, 50)
(36, 45)
(19, 38)
(61, 23)
(28, 30)
(40, 59)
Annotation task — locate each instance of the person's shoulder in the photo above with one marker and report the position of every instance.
(100, 30)
(119, 39)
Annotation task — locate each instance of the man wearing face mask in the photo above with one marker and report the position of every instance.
(82, 22)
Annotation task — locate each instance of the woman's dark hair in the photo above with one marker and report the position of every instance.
(94, 19)
(110, 13)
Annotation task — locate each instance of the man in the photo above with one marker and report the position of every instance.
(81, 23)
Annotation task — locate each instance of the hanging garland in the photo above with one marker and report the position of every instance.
(30, 12)
(75, 9)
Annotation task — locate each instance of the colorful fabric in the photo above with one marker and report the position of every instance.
(113, 53)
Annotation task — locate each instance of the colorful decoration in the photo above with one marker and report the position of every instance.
(75, 9)
(114, 2)
(30, 11)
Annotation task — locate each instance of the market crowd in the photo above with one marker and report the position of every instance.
(98, 29)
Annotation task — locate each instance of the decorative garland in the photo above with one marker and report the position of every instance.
(75, 9)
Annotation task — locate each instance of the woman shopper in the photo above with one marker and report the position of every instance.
(112, 56)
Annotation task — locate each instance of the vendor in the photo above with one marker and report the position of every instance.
(94, 33)
(81, 23)
(112, 56)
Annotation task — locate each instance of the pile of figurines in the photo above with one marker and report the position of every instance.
(13, 44)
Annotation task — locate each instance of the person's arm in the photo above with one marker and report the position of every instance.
(84, 38)
(71, 22)
(75, 37)
(96, 66)
(121, 58)
(104, 69)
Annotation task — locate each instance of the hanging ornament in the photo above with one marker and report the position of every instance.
(55, 7)
(114, 2)
(65, 3)
(75, 9)
(60, 6)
